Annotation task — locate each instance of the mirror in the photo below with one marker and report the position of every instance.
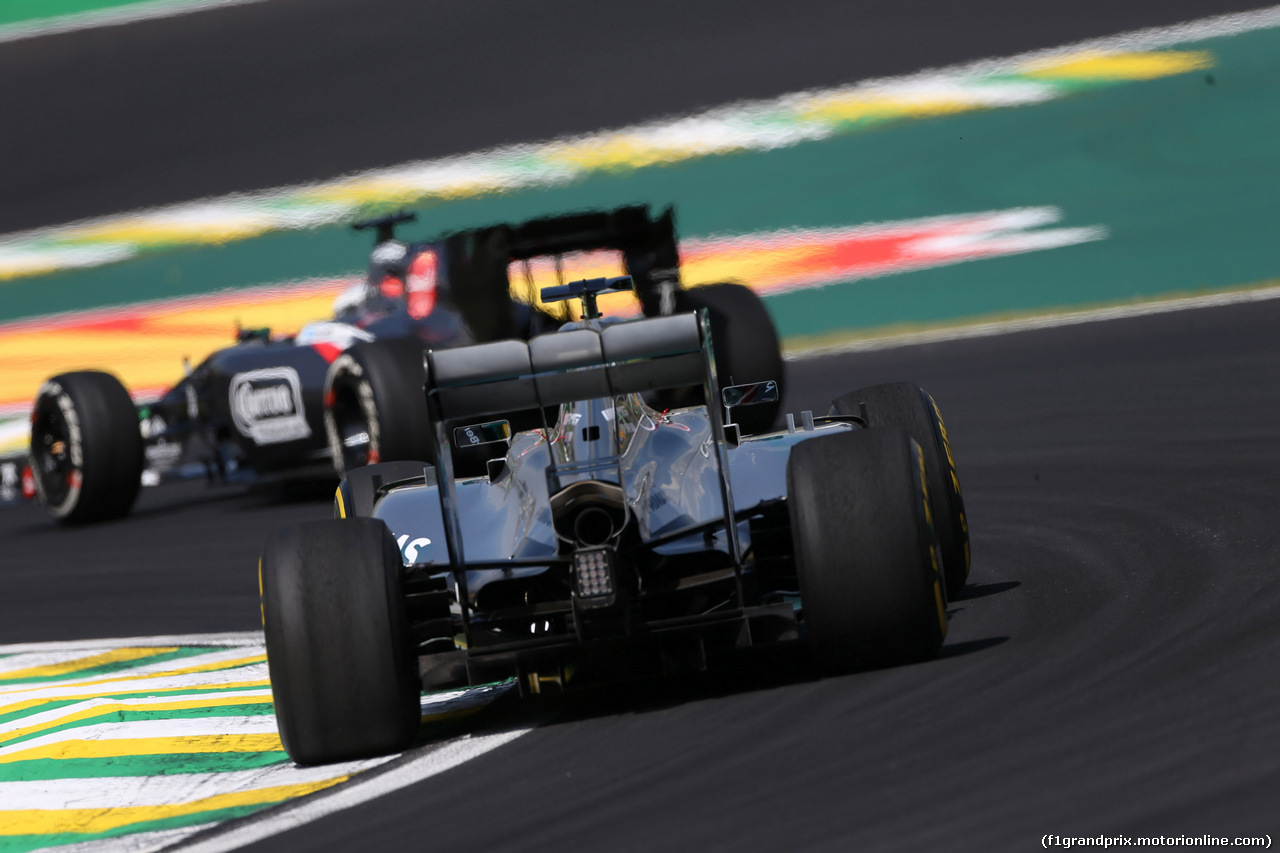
(750, 394)
(474, 434)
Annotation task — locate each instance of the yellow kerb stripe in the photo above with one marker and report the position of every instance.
(209, 701)
(53, 822)
(1121, 66)
(115, 748)
(80, 664)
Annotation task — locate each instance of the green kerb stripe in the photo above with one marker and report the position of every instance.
(118, 666)
(49, 11)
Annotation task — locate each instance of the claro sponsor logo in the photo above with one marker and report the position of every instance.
(266, 405)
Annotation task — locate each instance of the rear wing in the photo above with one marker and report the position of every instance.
(562, 367)
(474, 263)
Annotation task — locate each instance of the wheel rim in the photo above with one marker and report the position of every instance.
(51, 456)
(352, 431)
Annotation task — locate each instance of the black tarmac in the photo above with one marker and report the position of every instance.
(1112, 666)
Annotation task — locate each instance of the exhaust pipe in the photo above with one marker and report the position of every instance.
(592, 527)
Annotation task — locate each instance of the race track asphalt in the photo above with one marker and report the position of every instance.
(1111, 668)
(276, 93)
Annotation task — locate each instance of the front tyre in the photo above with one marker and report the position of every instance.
(344, 675)
(866, 556)
(907, 405)
(86, 448)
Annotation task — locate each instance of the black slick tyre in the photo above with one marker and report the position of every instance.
(745, 343)
(907, 405)
(374, 406)
(344, 675)
(358, 490)
(866, 556)
(86, 448)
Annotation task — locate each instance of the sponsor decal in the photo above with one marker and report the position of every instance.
(266, 405)
(409, 547)
(341, 335)
(330, 339)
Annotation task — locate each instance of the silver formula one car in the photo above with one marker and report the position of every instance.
(621, 537)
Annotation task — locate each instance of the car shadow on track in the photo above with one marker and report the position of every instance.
(757, 670)
(760, 671)
(982, 590)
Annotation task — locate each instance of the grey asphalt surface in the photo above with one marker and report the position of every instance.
(1111, 669)
(275, 93)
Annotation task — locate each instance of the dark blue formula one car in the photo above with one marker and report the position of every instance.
(619, 536)
(345, 393)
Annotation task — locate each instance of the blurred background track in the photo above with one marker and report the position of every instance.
(287, 91)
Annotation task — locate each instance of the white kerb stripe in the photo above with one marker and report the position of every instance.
(353, 793)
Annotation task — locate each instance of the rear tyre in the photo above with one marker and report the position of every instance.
(343, 673)
(357, 491)
(86, 449)
(375, 408)
(907, 405)
(866, 556)
(745, 343)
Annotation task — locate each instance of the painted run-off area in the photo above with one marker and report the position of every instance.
(158, 740)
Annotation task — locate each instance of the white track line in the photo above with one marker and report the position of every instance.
(362, 789)
(230, 638)
(1049, 321)
(111, 17)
